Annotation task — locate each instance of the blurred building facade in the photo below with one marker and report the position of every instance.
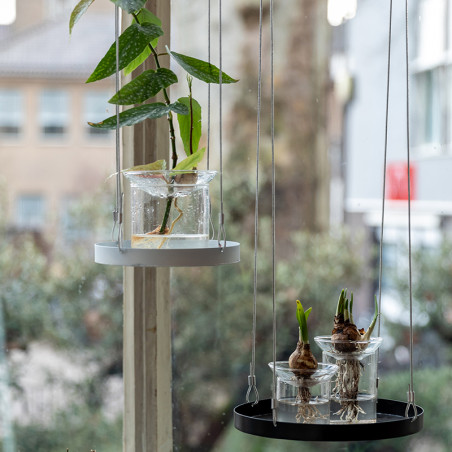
(49, 155)
(361, 75)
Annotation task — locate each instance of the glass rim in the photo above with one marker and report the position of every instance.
(328, 340)
(322, 369)
(157, 172)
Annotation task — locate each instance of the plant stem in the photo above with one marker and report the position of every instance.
(171, 133)
(167, 102)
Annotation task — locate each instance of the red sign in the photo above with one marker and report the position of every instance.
(397, 181)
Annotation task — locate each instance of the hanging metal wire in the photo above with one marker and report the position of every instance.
(221, 229)
(272, 127)
(410, 393)
(252, 377)
(118, 212)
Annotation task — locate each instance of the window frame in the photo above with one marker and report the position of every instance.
(438, 68)
(147, 314)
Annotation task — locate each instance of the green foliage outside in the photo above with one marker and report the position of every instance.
(57, 295)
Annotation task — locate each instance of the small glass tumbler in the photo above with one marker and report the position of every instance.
(169, 209)
(354, 388)
(303, 395)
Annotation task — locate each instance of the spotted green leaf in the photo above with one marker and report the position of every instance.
(185, 125)
(145, 86)
(134, 116)
(131, 43)
(144, 16)
(78, 12)
(201, 70)
(179, 108)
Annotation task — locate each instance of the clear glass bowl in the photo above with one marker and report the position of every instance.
(353, 348)
(164, 183)
(305, 377)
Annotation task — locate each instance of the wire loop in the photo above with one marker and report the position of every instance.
(252, 387)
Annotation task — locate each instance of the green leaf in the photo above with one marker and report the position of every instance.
(134, 116)
(154, 166)
(179, 108)
(78, 12)
(185, 125)
(145, 86)
(144, 16)
(142, 57)
(131, 43)
(201, 69)
(369, 331)
(130, 5)
(303, 322)
(190, 162)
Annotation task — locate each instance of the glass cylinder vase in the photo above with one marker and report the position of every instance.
(169, 209)
(303, 395)
(354, 388)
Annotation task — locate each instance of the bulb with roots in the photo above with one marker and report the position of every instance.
(348, 339)
(303, 363)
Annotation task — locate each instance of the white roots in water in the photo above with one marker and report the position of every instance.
(306, 413)
(346, 389)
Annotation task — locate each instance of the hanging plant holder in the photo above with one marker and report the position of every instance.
(212, 254)
(349, 390)
(169, 209)
(256, 419)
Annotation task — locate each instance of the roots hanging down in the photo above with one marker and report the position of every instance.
(306, 413)
(170, 230)
(346, 389)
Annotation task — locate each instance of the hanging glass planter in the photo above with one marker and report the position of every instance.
(169, 209)
(354, 388)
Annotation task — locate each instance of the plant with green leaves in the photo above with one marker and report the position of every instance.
(302, 358)
(136, 44)
(304, 364)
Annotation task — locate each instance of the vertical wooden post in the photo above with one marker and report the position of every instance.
(147, 314)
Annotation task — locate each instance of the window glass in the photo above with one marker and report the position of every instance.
(60, 312)
(30, 212)
(11, 113)
(95, 109)
(54, 113)
(428, 107)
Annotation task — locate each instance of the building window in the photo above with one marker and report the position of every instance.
(30, 212)
(54, 113)
(427, 109)
(431, 85)
(95, 109)
(11, 113)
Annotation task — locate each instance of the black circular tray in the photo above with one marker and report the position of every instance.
(391, 423)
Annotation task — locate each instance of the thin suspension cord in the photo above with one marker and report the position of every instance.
(209, 58)
(252, 377)
(117, 213)
(384, 168)
(221, 231)
(272, 103)
(208, 85)
(411, 398)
